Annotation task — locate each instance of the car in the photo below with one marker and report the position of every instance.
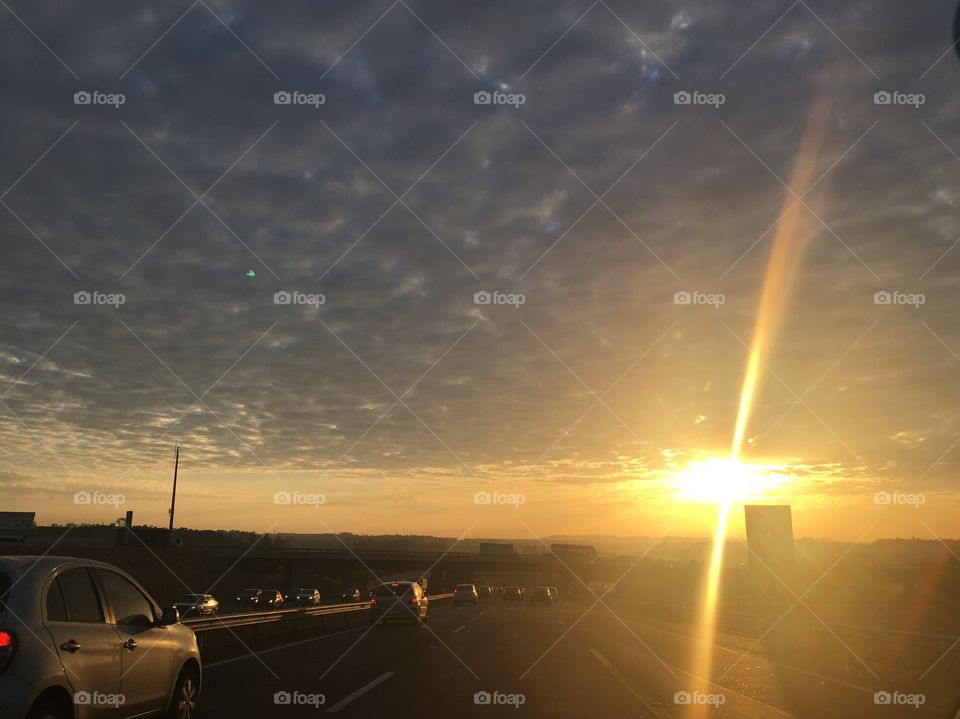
(249, 598)
(196, 605)
(541, 595)
(80, 638)
(270, 599)
(465, 594)
(350, 595)
(304, 596)
(554, 592)
(512, 593)
(485, 592)
(398, 601)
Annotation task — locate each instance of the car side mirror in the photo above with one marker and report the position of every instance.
(171, 615)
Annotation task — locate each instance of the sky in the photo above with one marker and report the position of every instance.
(386, 394)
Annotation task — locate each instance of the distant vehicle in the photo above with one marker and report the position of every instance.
(523, 592)
(554, 592)
(398, 601)
(249, 597)
(465, 594)
(196, 605)
(351, 595)
(304, 596)
(485, 592)
(512, 594)
(541, 595)
(270, 599)
(75, 628)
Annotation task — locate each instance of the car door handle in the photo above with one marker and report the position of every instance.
(71, 646)
(130, 644)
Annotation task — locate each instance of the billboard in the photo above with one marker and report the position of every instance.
(770, 547)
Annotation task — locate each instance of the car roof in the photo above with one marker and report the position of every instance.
(15, 563)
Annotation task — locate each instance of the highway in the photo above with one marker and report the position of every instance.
(559, 661)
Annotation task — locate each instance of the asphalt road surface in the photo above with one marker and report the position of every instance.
(506, 659)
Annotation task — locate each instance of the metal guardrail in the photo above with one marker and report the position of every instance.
(206, 624)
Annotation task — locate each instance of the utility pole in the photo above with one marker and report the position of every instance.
(173, 499)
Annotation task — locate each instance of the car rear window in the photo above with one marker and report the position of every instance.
(387, 590)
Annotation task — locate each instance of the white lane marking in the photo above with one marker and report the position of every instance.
(605, 663)
(459, 628)
(360, 692)
(560, 621)
(212, 665)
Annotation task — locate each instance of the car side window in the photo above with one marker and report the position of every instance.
(79, 596)
(130, 607)
(56, 609)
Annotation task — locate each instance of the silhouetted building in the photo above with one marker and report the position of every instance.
(17, 527)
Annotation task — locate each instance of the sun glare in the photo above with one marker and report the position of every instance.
(722, 481)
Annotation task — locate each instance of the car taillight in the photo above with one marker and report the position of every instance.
(8, 646)
(414, 600)
(373, 601)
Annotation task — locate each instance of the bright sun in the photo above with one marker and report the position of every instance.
(719, 481)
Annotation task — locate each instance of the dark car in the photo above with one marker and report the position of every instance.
(351, 595)
(304, 596)
(398, 601)
(485, 592)
(270, 599)
(465, 594)
(249, 597)
(541, 595)
(512, 594)
(196, 605)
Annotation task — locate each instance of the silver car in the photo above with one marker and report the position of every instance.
(80, 639)
(398, 601)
